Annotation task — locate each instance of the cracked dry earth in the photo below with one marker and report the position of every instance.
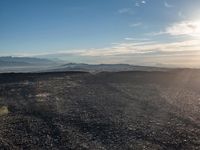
(124, 110)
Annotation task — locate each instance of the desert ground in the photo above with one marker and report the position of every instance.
(117, 110)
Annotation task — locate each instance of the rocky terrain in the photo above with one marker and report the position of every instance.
(121, 110)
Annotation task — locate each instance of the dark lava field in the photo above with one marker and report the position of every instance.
(103, 111)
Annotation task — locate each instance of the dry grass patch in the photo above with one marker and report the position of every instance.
(3, 110)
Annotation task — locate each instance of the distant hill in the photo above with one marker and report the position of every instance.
(104, 67)
(23, 61)
(29, 64)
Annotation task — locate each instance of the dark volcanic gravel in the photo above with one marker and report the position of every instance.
(125, 110)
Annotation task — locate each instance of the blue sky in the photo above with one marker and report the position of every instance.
(144, 32)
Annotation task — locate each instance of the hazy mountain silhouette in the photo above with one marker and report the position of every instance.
(29, 64)
(104, 67)
(23, 61)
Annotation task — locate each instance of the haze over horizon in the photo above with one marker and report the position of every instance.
(141, 32)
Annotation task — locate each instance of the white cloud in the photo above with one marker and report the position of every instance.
(126, 11)
(138, 51)
(184, 28)
(167, 5)
(143, 2)
(137, 4)
(138, 46)
(140, 2)
(191, 28)
(145, 47)
(129, 39)
(136, 39)
(182, 53)
(135, 24)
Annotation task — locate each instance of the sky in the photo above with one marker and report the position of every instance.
(140, 32)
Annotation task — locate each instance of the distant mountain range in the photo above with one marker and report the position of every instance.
(29, 64)
(23, 61)
(104, 67)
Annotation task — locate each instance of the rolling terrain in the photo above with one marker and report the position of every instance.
(24, 64)
(33, 64)
(108, 110)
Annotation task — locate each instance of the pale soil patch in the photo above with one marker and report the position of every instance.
(3, 110)
(42, 95)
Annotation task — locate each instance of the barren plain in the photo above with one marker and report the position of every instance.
(80, 110)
